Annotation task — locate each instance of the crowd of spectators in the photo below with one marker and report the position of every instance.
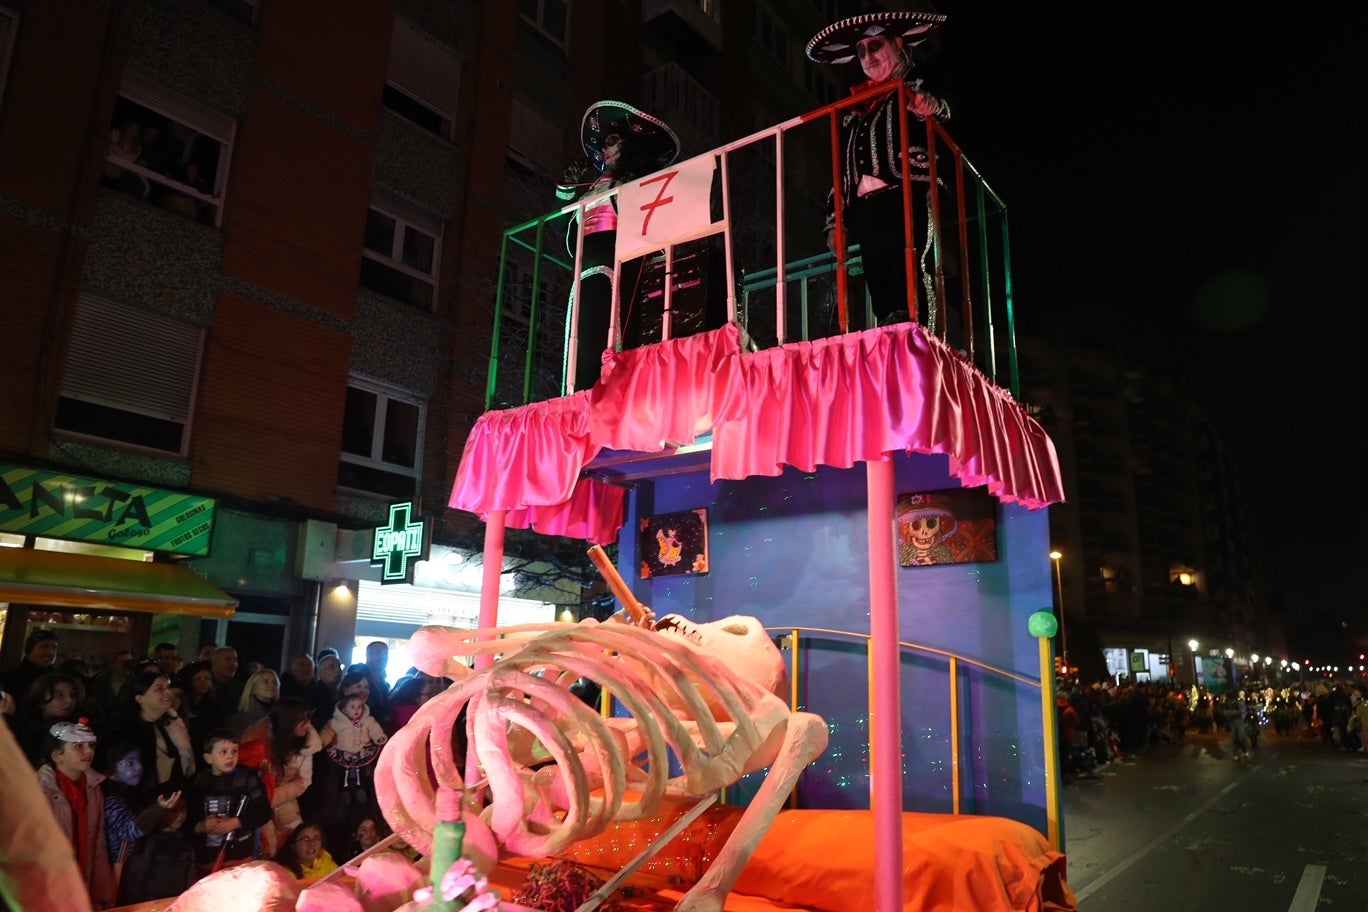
(1106, 721)
(171, 166)
(183, 769)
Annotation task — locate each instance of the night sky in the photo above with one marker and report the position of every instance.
(1183, 190)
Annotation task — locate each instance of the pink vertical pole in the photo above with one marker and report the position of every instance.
(885, 697)
(493, 569)
(489, 605)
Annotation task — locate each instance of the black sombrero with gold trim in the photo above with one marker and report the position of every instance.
(836, 43)
(651, 137)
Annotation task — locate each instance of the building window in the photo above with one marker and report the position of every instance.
(534, 142)
(243, 10)
(769, 33)
(711, 8)
(382, 440)
(9, 24)
(517, 298)
(146, 407)
(168, 150)
(550, 17)
(423, 83)
(402, 248)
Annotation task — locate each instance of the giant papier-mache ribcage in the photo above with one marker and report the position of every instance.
(719, 725)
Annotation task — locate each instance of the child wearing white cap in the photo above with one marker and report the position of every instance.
(73, 792)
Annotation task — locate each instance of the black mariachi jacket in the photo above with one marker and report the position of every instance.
(870, 146)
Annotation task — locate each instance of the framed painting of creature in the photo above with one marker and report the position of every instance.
(674, 544)
(955, 526)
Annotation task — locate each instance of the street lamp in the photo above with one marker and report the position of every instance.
(1192, 645)
(1059, 584)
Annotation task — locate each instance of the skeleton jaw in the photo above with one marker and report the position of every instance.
(675, 625)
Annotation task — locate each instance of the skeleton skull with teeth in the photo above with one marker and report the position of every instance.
(925, 532)
(739, 642)
(925, 523)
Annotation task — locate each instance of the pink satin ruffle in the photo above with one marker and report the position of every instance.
(836, 401)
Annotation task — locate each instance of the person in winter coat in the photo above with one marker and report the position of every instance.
(293, 742)
(226, 806)
(164, 864)
(73, 791)
(354, 745)
(37, 861)
(140, 837)
(144, 714)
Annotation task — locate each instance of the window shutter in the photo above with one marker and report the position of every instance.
(130, 359)
(424, 70)
(533, 140)
(150, 94)
(404, 212)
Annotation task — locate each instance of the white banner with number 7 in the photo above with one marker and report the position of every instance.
(661, 208)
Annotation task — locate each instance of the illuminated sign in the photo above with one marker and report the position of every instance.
(49, 505)
(401, 544)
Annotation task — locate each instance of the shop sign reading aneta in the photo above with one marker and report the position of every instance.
(33, 502)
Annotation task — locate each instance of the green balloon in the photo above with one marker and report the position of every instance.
(1042, 624)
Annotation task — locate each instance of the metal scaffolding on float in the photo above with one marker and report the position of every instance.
(778, 280)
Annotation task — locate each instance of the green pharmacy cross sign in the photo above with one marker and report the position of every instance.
(399, 545)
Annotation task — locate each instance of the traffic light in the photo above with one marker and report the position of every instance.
(1060, 668)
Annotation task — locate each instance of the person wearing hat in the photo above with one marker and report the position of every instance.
(73, 791)
(872, 151)
(37, 862)
(40, 655)
(924, 522)
(622, 144)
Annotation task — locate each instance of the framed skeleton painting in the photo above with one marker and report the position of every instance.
(673, 544)
(955, 526)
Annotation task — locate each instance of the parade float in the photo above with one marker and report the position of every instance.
(869, 501)
(829, 686)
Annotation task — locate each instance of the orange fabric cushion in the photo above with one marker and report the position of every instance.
(825, 860)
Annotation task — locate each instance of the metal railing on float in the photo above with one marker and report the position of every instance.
(761, 250)
(790, 640)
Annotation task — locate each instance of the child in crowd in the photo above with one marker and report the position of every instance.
(150, 851)
(164, 863)
(354, 744)
(307, 858)
(73, 791)
(227, 804)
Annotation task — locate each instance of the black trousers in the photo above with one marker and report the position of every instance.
(596, 305)
(875, 222)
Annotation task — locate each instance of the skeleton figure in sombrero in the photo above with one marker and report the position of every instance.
(871, 160)
(622, 144)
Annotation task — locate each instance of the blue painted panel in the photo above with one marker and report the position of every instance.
(792, 551)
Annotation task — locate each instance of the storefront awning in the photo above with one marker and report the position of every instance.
(56, 578)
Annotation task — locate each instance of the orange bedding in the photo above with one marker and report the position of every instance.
(823, 861)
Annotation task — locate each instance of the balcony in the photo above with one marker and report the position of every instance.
(687, 23)
(756, 257)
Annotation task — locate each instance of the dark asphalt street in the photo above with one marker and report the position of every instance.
(1186, 827)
